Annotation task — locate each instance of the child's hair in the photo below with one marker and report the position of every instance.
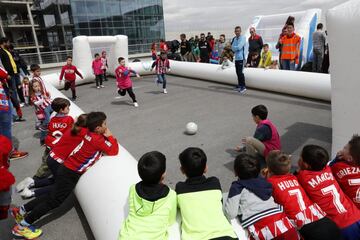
(246, 166)
(315, 156)
(354, 145)
(261, 111)
(59, 104)
(80, 123)
(97, 55)
(34, 67)
(120, 59)
(68, 57)
(31, 88)
(193, 161)
(278, 162)
(94, 120)
(25, 79)
(265, 45)
(151, 167)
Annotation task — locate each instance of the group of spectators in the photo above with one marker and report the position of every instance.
(207, 49)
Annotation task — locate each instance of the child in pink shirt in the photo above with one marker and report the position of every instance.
(98, 71)
(123, 80)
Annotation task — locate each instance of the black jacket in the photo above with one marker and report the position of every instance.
(185, 47)
(205, 48)
(5, 60)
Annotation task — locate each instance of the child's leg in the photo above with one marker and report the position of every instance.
(131, 94)
(53, 166)
(5, 201)
(97, 80)
(164, 80)
(43, 170)
(64, 185)
(67, 85)
(351, 232)
(73, 91)
(101, 79)
(160, 79)
(105, 78)
(122, 92)
(43, 191)
(254, 146)
(321, 229)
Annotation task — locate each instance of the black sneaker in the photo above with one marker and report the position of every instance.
(19, 120)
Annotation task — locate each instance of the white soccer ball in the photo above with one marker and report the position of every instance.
(191, 128)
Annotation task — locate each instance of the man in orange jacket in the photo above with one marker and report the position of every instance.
(290, 48)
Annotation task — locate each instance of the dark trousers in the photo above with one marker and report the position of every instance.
(71, 85)
(130, 91)
(99, 79)
(45, 185)
(321, 229)
(239, 66)
(19, 88)
(105, 77)
(65, 183)
(204, 58)
(12, 93)
(162, 79)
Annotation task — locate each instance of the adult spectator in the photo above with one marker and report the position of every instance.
(208, 36)
(227, 53)
(319, 41)
(290, 48)
(279, 45)
(204, 48)
(255, 45)
(220, 45)
(5, 115)
(9, 65)
(185, 49)
(238, 47)
(21, 68)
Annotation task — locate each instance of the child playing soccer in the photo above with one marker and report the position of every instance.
(60, 150)
(123, 80)
(152, 204)
(98, 71)
(320, 185)
(42, 103)
(307, 216)
(162, 66)
(200, 200)
(69, 71)
(26, 88)
(250, 200)
(266, 136)
(97, 141)
(104, 64)
(346, 170)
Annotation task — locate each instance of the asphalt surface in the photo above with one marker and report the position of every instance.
(223, 117)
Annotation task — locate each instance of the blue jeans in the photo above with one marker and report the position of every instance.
(47, 112)
(239, 66)
(351, 232)
(5, 124)
(162, 79)
(288, 65)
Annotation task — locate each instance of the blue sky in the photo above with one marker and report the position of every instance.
(204, 15)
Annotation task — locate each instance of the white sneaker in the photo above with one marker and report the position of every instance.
(98, 87)
(22, 105)
(102, 86)
(165, 91)
(136, 104)
(26, 183)
(27, 193)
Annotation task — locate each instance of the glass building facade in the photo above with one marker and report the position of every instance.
(141, 20)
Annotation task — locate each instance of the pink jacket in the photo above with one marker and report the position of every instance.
(123, 77)
(96, 66)
(274, 143)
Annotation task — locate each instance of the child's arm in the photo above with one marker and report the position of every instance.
(153, 65)
(134, 72)
(110, 146)
(78, 73)
(62, 74)
(172, 216)
(231, 208)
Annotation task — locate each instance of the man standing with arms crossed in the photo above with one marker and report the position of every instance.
(238, 47)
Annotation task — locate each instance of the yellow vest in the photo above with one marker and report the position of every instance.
(13, 64)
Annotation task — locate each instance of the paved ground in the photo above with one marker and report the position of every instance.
(223, 117)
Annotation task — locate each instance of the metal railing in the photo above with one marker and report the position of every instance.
(60, 56)
(18, 22)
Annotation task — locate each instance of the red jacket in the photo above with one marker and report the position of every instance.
(70, 72)
(89, 151)
(67, 143)
(274, 142)
(56, 128)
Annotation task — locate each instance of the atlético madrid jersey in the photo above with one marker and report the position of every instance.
(297, 205)
(348, 177)
(323, 190)
(57, 126)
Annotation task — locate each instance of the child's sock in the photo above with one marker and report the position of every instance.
(23, 223)
(22, 210)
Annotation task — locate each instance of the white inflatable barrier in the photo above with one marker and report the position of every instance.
(343, 24)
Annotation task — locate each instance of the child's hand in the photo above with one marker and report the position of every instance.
(107, 133)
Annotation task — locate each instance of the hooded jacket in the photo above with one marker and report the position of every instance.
(152, 210)
(251, 201)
